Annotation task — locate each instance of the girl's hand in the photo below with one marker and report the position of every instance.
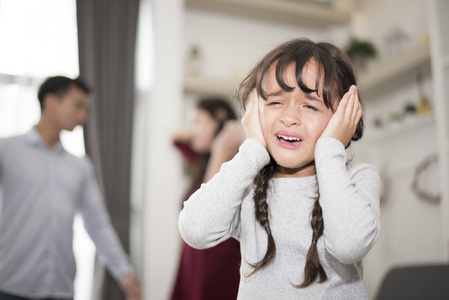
(251, 119)
(343, 123)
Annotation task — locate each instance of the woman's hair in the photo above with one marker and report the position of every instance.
(221, 111)
(335, 68)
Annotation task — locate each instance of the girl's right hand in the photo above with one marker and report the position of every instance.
(343, 123)
(251, 119)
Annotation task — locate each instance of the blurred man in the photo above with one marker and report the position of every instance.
(43, 187)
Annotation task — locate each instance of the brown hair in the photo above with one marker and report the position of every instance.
(210, 105)
(336, 70)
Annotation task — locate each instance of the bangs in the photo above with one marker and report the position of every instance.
(330, 90)
(335, 73)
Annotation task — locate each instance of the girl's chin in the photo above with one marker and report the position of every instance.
(289, 168)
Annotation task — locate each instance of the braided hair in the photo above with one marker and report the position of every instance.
(261, 182)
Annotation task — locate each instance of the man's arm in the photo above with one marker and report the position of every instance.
(98, 225)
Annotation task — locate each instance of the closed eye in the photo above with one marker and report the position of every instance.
(311, 107)
(274, 103)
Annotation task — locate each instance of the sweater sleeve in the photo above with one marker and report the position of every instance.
(210, 215)
(349, 200)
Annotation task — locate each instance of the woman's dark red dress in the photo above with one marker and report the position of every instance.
(209, 274)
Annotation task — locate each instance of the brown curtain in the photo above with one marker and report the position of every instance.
(106, 37)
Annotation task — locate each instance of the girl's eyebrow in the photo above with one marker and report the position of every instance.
(276, 93)
(311, 97)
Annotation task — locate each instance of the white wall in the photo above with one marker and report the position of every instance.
(162, 165)
(411, 228)
(232, 45)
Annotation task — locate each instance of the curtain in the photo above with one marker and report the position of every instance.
(106, 37)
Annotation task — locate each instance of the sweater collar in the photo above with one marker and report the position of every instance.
(307, 186)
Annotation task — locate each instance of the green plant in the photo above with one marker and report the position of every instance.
(410, 108)
(360, 47)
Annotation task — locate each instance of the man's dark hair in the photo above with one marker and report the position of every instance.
(59, 86)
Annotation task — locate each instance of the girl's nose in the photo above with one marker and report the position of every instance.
(290, 119)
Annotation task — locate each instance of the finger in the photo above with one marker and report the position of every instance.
(258, 102)
(350, 105)
(249, 107)
(357, 105)
(343, 103)
(250, 103)
(359, 116)
(254, 101)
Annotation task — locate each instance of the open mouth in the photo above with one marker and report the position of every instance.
(288, 141)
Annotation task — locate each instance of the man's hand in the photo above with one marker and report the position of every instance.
(131, 287)
(343, 123)
(251, 119)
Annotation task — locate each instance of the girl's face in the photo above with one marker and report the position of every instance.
(204, 130)
(293, 121)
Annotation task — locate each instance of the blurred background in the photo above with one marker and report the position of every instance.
(184, 50)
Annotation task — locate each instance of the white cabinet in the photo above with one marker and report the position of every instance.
(389, 74)
(381, 76)
(281, 11)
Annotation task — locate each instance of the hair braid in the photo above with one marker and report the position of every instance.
(261, 212)
(313, 268)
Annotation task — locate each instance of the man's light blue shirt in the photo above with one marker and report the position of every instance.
(42, 190)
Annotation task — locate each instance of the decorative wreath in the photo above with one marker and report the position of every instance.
(419, 191)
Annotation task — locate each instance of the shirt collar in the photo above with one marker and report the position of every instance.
(33, 138)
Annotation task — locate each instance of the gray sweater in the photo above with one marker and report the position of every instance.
(349, 197)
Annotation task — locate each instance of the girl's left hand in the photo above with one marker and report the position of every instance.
(343, 123)
(251, 119)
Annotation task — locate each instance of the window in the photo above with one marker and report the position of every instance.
(38, 39)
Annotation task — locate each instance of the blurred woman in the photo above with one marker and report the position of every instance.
(214, 139)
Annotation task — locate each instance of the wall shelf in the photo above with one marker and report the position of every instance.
(389, 132)
(210, 86)
(387, 75)
(288, 12)
(381, 77)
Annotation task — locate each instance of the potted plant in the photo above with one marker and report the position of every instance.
(360, 51)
